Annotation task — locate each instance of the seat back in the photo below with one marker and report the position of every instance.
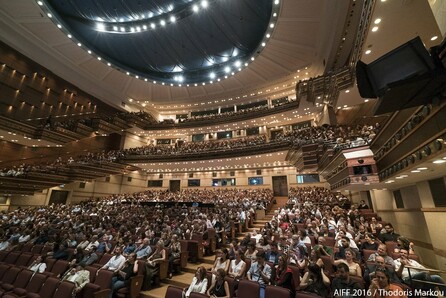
(49, 287)
(198, 295)
(65, 289)
(303, 294)
(330, 241)
(276, 292)
(174, 292)
(103, 279)
(49, 264)
(248, 288)
(92, 271)
(36, 283)
(366, 253)
(296, 276)
(105, 258)
(37, 249)
(3, 269)
(23, 278)
(60, 267)
(12, 257)
(11, 275)
(27, 247)
(23, 259)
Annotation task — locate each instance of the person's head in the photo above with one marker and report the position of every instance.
(379, 261)
(283, 261)
(131, 257)
(200, 274)
(251, 247)
(221, 274)
(160, 244)
(404, 253)
(389, 228)
(274, 247)
(315, 271)
(145, 241)
(321, 240)
(237, 255)
(403, 242)
(349, 254)
(260, 257)
(369, 237)
(345, 242)
(382, 250)
(224, 254)
(342, 271)
(174, 238)
(118, 251)
(361, 229)
(383, 277)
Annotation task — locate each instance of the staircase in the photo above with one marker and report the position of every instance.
(183, 279)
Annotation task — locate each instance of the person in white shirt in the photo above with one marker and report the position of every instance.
(115, 263)
(38, 265)
(418, 272)
(79, 276)
(199, 283)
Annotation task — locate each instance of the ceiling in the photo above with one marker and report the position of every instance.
(303, 36)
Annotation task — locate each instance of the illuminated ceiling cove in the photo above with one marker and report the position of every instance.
(176, 41)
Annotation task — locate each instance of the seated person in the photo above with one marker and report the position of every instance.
(79, 276)
(153, 264)
(350, 260)
(38, 265)
(221, 287)
(199, 283)
(284, 276)
(115, 263)
(122, 279)
(342, 285)
(381, 283)
(315, 281)
(416, 273)
(260, 272)
(237, 267)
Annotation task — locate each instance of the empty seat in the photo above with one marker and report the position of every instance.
(23, 259)
(10, 275)
(276, 292)
(103, 260)
(37, 249)
(27, 247)
(47, 290)
(248, 288)
(3, 269)
(12, 257)
(59, 267)
(174, 292)
(33, 286)
(101, 285)
(65, 289)
(21, 281)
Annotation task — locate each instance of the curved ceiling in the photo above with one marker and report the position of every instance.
(305, 34)
(177, 41)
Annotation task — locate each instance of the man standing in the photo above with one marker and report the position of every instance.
(260, 272)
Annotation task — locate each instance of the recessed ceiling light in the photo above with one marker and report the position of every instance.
(415, 171)
(374, 29)
(438, 161)
(377, 21)
(422, 168)
(434, 37)
(368, 52)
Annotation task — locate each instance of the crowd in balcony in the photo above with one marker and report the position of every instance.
(350, 136)
(197, 147)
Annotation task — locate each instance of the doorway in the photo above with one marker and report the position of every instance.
(280, 186)
(174, 185)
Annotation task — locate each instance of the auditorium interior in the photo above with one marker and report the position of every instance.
(156, 104)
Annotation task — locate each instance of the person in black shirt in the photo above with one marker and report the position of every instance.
(221, 287)
(389, 234)
(122, 279)
(342, 285)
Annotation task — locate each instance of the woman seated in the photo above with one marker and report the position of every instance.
(175, 253)
(381, 284)
(237, 268)
(221, 287)
(251, 252)
(199, 283)
(350, 260)
(284, 275)
(38, 265)
(221, 262)
(369, 243)
(153, 264)
(315, 281)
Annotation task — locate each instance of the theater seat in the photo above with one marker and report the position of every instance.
(33, 286)
(47, 290)
(248, 288)
(174, 292)
(276, 292)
